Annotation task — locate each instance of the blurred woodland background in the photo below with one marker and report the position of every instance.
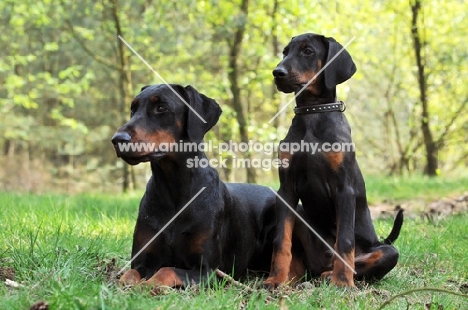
(66, 81)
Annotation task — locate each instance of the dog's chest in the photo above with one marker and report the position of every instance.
(309, 150)
(187, 238)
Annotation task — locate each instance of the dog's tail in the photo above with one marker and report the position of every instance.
(396, 228)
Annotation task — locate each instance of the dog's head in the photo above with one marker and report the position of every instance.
(305, 56)
(161, 115)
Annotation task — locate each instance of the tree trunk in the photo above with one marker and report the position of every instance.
(233, 76)
(430, 146)
(278, 121)
(122, 66)
(125, 86)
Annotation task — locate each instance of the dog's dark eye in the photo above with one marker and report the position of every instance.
(308, 51)
(160, 109)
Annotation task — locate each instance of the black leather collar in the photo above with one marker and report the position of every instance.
(319, 108)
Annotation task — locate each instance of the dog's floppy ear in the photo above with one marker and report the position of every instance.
(207, 108)
(144, 87)
(341, 68)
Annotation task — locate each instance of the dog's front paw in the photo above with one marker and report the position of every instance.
(327, 275)
(165, 276)
(130, 278)
(340, 281)
(272, 283)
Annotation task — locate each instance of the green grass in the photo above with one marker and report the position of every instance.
(59, 247)
(397, 189)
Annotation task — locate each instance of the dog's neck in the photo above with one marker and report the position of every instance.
(174, 184)
(173, 173)
(307, 98)
(169, 170)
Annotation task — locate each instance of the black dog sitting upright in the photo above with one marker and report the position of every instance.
(227, 226)
(329, 183)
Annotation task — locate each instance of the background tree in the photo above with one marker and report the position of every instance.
(67, 80)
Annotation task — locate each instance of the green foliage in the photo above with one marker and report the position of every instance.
(60, 67)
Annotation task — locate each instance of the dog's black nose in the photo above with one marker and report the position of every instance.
(280, 72)
(121, 137)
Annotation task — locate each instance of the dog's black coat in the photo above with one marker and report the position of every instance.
(329, 184)
(228, 226)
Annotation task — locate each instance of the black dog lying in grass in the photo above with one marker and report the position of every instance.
(227, 226)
